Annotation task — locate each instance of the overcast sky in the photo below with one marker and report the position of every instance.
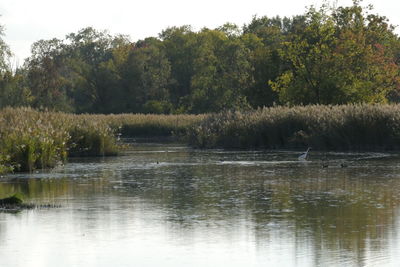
(27, 21)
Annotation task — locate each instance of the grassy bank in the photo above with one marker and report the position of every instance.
(345, 127)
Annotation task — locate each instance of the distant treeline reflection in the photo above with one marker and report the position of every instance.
(341, 210)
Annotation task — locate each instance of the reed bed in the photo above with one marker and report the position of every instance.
(324, 127)
(30, 139)
(151, 125)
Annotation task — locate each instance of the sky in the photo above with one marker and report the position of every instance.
(27, 21)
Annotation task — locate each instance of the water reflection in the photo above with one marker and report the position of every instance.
(239, 207)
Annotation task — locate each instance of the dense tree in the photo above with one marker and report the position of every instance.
(91, 60)
(338, 58)
(44, 72)
(13, 90)
(146, 77)
(263, 37)
(179, 46)
(222, 73)
(327, 56)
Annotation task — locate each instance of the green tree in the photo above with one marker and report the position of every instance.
(44, 73)
(94, 71)
(179, 44)
(146, 76)
(338, 58)
(5, 52)
(221, 73)
(264, 37)
(13, 90)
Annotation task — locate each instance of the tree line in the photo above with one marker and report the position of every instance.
(325, 56)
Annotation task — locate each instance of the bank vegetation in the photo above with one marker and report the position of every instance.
(31, 139)
(324, 127)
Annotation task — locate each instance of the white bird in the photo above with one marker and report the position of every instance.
(304, 155)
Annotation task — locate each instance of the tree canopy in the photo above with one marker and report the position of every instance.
(324, 56)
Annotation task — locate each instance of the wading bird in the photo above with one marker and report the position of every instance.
(304, 155)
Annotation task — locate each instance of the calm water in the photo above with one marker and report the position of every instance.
(169, 205)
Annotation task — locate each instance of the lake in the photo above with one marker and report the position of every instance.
(170, 205)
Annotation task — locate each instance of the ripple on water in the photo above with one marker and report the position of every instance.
(260, 205)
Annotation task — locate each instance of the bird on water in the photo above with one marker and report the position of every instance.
(304, 155)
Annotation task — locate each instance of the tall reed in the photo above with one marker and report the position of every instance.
(134, 125)
(344, 127)
(30, 139)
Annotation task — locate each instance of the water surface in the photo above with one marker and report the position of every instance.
(169, 205)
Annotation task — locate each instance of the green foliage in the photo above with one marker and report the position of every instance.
(94, 59)
(157, 107)
(44, 76)
(180, 45)
(324, 56)
(13, 91)
(221, 73)
(146, 74)
(5, 53)
(339, 58)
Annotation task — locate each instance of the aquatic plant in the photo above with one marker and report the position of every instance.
(15, 203)
(341, 127)
(15, 199)
(131, 125)
(91, 137)
(31, 139)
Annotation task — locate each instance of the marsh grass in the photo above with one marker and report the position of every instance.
(91, 137)
(151, 125)
(345, 127)
(31, 139)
